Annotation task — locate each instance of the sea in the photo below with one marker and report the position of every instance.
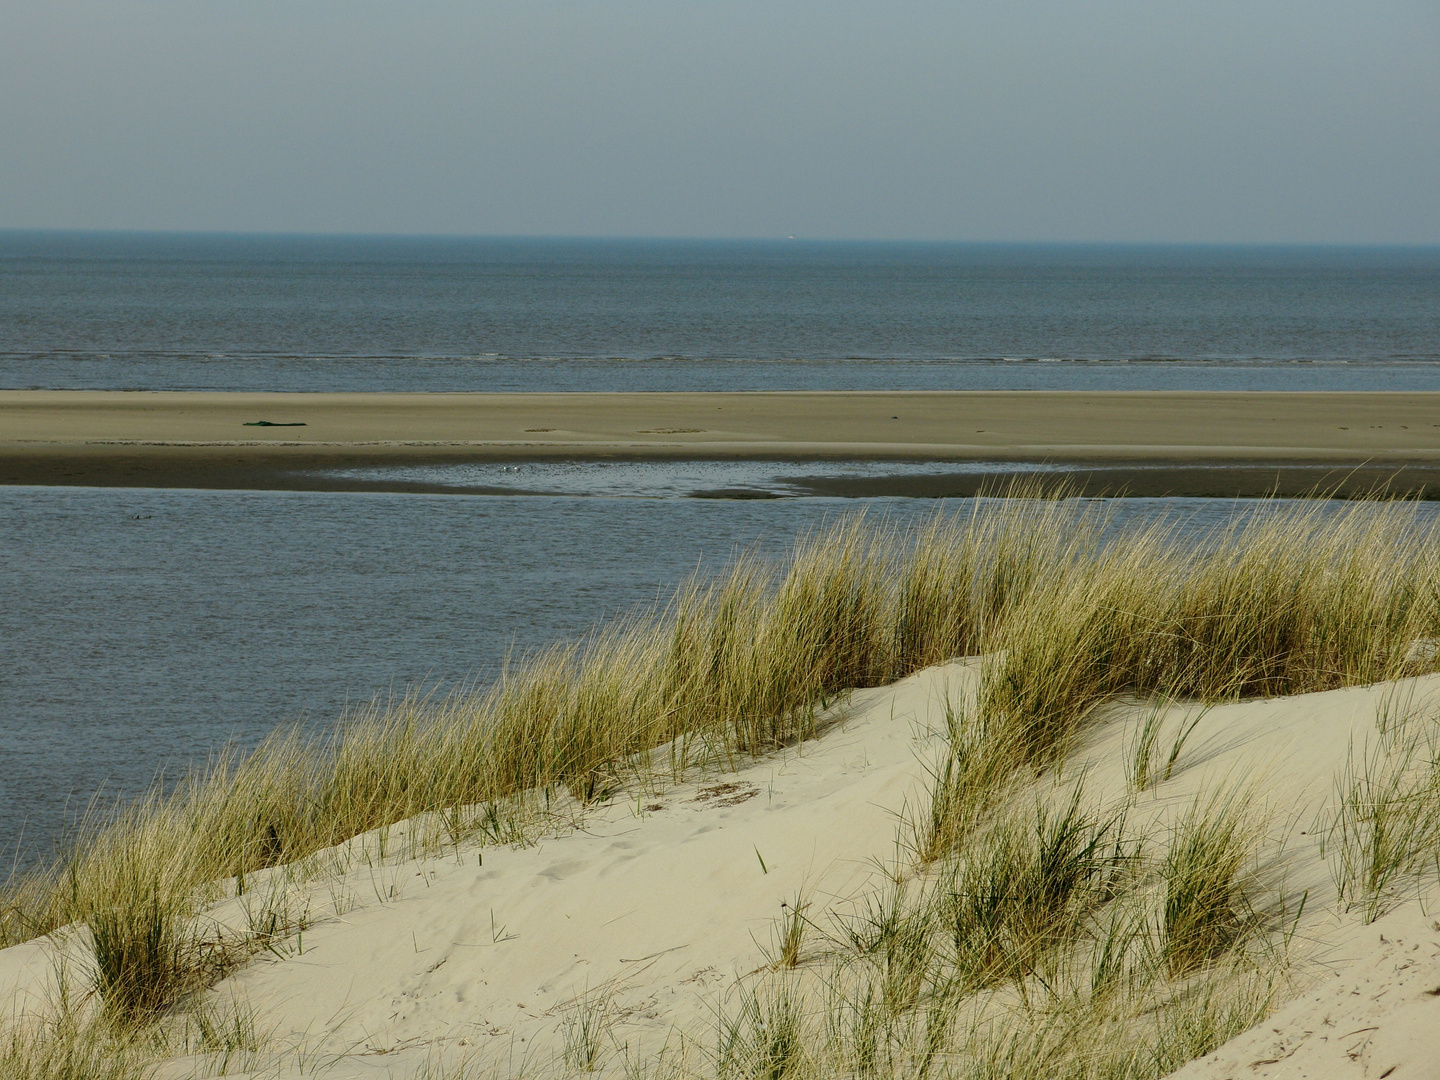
(141, 630)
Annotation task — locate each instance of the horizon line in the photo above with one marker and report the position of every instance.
(682, 239)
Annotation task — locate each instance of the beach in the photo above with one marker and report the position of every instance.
(719, 542)
(1141, 442)
(754, 830)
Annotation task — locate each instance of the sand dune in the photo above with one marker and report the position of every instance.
(660, 903)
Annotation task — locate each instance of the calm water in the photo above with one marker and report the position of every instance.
(297, 313)
(141, 629)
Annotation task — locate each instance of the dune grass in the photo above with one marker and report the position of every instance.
(1071, 612)
(1054, 942)
(1385, 829)
(1205, 909)
(70, 1051)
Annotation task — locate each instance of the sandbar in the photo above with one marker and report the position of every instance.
(1144, 442)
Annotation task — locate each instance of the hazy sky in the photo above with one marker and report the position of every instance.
(1203, 120)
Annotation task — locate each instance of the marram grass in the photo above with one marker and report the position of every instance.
(1071, 612)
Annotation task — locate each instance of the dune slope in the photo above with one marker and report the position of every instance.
(643, 919)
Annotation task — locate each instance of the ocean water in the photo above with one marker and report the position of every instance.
(151, 311)
(143, 629)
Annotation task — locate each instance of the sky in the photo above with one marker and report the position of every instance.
(1221, 121)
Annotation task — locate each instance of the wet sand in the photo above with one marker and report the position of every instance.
(1143, 443)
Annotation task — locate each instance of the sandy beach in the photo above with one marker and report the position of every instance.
(1200, 442)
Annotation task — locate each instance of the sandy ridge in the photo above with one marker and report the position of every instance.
(1142, 443)
(945, 425)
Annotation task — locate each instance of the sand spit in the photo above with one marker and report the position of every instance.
(209, 439)
(660, 903)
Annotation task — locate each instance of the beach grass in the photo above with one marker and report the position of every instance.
(1014, 899)
(1385, 827)
(1053, 943)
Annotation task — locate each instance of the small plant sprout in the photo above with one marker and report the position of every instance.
(1145, 770)
(1142, 754)
(790, 932)
(1187, 728)
(226, 1029)
(497, 933)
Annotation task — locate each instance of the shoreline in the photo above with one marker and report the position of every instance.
(1140, 443)
(1149, 479)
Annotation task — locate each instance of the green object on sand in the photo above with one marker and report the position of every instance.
(273, 423)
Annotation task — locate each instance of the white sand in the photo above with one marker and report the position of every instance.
(663, 908)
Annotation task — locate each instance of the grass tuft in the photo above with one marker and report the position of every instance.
(1386, 828)
(1206, 911)
(585, 1028)
(1021, 888)
(764, 1037)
